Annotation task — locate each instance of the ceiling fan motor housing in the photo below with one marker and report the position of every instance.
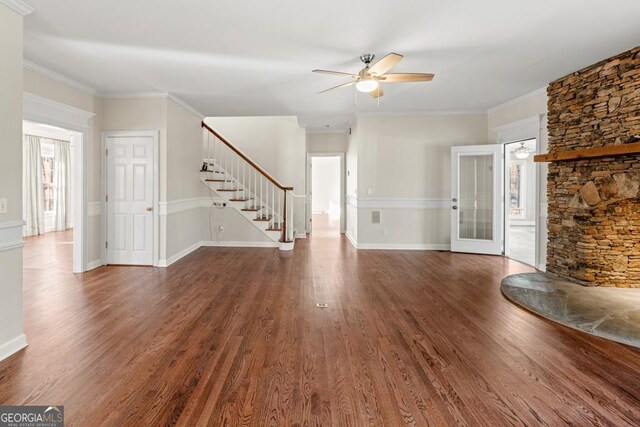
(367, 58)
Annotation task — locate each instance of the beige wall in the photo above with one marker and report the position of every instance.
(514, 111)
(11, 324)
(327, 142)
(407, 158)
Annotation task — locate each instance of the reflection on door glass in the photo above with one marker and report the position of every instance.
(475, 213)
(516, 191)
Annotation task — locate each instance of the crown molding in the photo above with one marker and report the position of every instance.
(425, 113)
(183, 104)
(132, 94)
(542, 90)
(150, 95)
(19, 6)
(31, 66)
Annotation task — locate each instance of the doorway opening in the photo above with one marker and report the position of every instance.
(325, 207)
(520, 201)
(49, 184)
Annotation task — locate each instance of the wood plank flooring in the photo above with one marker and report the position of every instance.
(231, 336)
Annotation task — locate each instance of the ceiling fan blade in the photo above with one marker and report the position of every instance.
(407, 77)
(335, 73)
(385, 64)
(337, 87)
(377, 93)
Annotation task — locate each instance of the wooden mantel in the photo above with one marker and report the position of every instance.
(589, 153)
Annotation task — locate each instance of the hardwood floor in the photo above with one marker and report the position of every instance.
(231, 336)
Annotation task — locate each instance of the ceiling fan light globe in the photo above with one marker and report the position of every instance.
(521, 152)
(367, 85)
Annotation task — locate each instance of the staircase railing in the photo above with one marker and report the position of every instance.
(260, 191)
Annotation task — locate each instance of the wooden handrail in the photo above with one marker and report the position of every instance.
(246, 159)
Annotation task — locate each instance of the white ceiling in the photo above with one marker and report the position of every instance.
(254, 57)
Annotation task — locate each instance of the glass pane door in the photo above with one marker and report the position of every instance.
(476, 199)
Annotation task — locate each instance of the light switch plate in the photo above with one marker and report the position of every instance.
(3, 205)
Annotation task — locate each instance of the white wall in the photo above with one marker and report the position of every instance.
(278, 145)
(403, 170)
(11, 324)
(325, 183)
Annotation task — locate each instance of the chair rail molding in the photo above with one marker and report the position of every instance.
(398, 202)
(11, 235)
(182, 205)
(18, 6)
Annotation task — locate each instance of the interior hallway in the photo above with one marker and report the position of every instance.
(230, 335)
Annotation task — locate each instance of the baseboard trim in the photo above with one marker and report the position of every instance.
(209, 243)
(92, 265)
(351, 240)
(231, 244)
(183, 253)
(13, 346)
(405, 246)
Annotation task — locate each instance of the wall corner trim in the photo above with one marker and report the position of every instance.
(13, 346)
(18, 6)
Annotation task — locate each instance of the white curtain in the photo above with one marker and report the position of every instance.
(32, 189)
(62, 181)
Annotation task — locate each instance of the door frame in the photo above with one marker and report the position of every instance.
(41, 110)
(343, 188)
(506, 221)
(518, 131)
(496, 245)
(155, 135)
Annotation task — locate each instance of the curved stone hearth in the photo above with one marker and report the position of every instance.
(605, 312)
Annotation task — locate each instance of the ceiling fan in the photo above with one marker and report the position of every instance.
(369, 79)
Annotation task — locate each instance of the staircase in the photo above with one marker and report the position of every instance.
(247, 188)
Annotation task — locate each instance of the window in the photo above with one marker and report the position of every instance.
(516, 190)
(48, 173)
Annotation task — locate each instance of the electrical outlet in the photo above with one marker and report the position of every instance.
(3, 205)
(221, 228)
(385, 232)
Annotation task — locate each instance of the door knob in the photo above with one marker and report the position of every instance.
(454, 207)
(149, 209)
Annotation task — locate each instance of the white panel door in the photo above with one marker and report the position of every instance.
(130, 200)
(476, 199)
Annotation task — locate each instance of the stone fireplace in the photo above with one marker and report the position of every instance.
(594, 203)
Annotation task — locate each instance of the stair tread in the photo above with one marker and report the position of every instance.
(228, 189)
(240, 200)
(268, 218)
(274, 229)
(215, 180)
(250, 209)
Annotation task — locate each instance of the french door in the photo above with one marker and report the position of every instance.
(476, 199)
